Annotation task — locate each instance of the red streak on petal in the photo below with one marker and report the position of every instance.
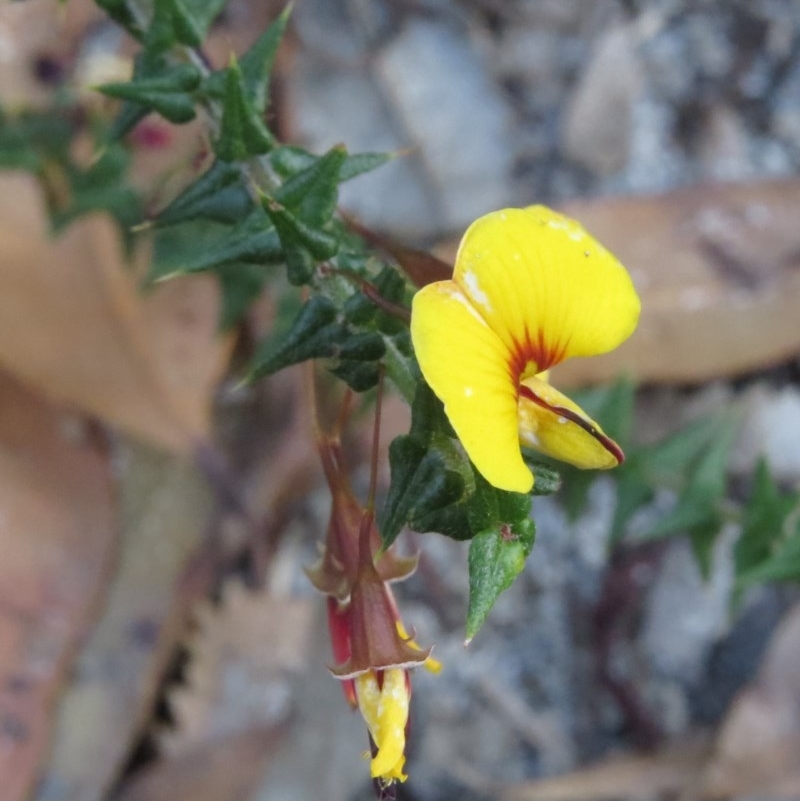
(573, 417)
(535, 351)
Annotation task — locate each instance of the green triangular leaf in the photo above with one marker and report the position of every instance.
(360, 163)
(312, 193)
(769, 546)
(295, 233)
(172, 24)
(218, 194)
(241, 284)
(302, 245)
(253, 241)
(243, 133)
(170, 94)
(258, 60)
(287, 160)
(120, 12)
(359, 376)
(496, 557)
(764, 518)
(705, 484)
(314, 333)
(546, 480)
(256, 66)
(782, 565)
(422, 483)
(204, 12)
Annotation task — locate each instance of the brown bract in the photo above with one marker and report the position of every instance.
(375, 641)
(337, 569)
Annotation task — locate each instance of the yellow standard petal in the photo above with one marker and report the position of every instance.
(385, 710)
(470, 369)
(552, 424)
(545, 286)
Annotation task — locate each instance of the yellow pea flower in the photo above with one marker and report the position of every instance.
(530, 289)
(383, 698)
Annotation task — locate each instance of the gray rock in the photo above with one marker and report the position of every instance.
(684, 615)
(341, 105)
(454, 115)
(597, 125)
(771, 430)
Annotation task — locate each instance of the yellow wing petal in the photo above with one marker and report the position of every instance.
(551, 423)
(546, 287)
(468, 367)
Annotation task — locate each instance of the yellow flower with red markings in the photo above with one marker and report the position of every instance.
(383, 698)
(530, 289)
(374, 654)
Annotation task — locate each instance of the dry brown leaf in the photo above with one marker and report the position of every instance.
(165, 506)
(242, 658)
(74, 325)
(225, 769)
(759, 742)
(718, 271)
(57, 536)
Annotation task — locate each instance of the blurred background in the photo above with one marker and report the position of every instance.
(154, 644)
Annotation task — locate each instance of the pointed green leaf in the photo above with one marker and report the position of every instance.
(218, 194)
(290, 159)
(287, 160)
(314, 333)
(172, 24)
(120, 12)
(253, 241)
(705, 484)
(312, 194)
(359, 376)
(546, 480)
(427, 415)
(299, 262)
(360, 163)
(204, 12)
(242, 133)
(295, 233)
(258, 60)
(256, 66)
(702, 538)
(668, 462)
(764, 518)
(421, 482)
(169, 94)
(450, 521)
(782, 565)
(496, 557)
(241, 284)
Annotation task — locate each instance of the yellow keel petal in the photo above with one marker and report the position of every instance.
(385, 710)
(551, 423)
(469, 368)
